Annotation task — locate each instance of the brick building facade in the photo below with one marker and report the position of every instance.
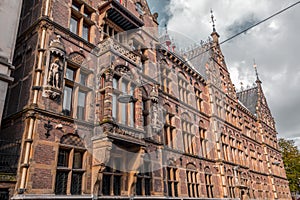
(105, 109)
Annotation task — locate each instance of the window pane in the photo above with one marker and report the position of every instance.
(106, 185)
(139, 186)
(114, 106)
(175, 189)
(170, 189)
(123, 113)
(63, 158)
(4, 194)
(70, 74)
(77, 161)
(76, 183)
(61, 182)
(67, 103)
(139, 8)
(131, 116)
(74, 25)
(81, 105)
(147, 186)
(85, 32)
(75, 7)
(86, 13)
(83, 78)
(115, 83)
(117, 185)
(124, 87)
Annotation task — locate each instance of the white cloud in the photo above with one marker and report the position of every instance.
(274, 45)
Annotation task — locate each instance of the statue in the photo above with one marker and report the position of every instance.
(54, 74)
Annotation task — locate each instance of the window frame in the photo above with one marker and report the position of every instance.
(68, 171)
(74, 83)
(81, 13)
(122, 112)
(172, 181)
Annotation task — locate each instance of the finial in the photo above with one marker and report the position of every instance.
(213, 20)
(255, 68)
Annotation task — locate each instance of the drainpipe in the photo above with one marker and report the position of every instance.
(36, 86)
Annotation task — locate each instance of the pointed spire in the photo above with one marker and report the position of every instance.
(256, 73)
(214, 34)
(213, 20)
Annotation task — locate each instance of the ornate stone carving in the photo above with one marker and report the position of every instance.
(54, 69)
(110, 44)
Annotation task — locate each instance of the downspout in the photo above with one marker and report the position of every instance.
(36, 86)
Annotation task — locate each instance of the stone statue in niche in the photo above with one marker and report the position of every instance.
(54, 76)
(54, 69)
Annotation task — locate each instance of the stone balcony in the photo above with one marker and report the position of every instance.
(119, 49)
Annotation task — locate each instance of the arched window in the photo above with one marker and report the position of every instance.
(144, 177)
(70, 165)
(192, 181)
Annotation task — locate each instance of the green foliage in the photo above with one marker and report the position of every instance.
(291, 160)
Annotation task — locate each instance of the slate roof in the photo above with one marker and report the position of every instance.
(249, 98)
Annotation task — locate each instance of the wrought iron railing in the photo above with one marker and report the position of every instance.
(9, 156)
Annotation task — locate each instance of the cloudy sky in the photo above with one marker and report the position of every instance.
(274, 46)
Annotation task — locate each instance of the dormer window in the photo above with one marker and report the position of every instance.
(139, 8)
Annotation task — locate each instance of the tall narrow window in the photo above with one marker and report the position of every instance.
(85, 32)
(209, 185)
(74, 25)
(230, 186)
(188, 137)
(165, 79)
(203, 140)
(168, 130)
(145, 111)
(224, 146)
(183, 88)
(67, 102)
(198, 99)
(172, 182)
(83, 79)
(81, 105)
